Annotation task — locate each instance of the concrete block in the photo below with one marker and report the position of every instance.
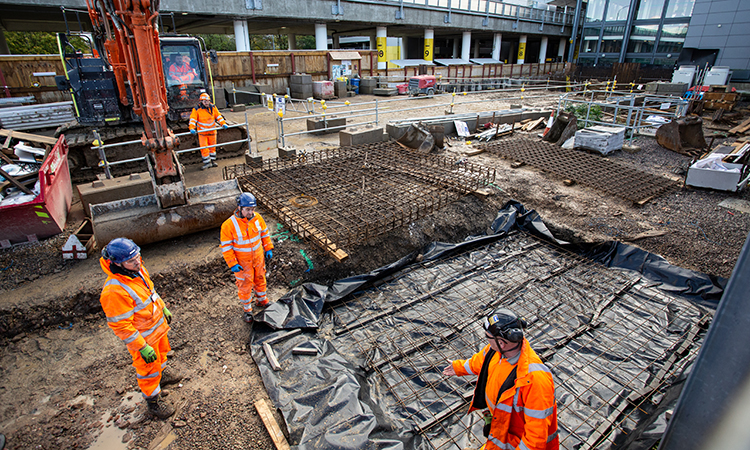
(368, 82)
(357, 136)
(395, 131)
(287, 153)
(253, 160)
(301, 92)
(238, 108)
(339, 89)
(103, 191)
(366, 90)
(325, 126)
(220, 100)
(385, 92)
(300, 78)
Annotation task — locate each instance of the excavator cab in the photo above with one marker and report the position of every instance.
(184, 75)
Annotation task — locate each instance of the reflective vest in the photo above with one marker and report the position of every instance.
(203, 119)
(182, 73)
(525, 415)
(244, 240)
(133, 308)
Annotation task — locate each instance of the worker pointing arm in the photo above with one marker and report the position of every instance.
(514, 387)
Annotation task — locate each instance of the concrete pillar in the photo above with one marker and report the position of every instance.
(496, 44)
(466, 45)
(429, 44)
(373, 43)
(241, 36)
(476, 49)
(336, 41)
(543, 50)
(561, 49)
(401, 48)
(292, 39)
(521, 49)
(321, 36)
(455, 48)
(382, 44)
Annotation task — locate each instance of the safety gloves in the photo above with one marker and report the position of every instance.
(269, 254)
(225, 126)
(193, 131)
(236, 268)
(167, 315)
(148, 354)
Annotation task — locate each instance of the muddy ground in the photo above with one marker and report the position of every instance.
(66, 380)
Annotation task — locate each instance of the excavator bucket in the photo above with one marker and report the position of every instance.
(682, 135)
(144, 221)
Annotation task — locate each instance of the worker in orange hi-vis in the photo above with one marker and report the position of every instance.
(245, 243)
(205, 116)
(181, 72)
(138, 316)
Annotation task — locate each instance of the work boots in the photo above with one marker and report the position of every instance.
(213, 164)
(160, 408)
(206, 166)
(248, 317)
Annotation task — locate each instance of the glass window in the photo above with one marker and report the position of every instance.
(590, 40)
(672, 38)
(618, 9)
(650, 9)
(680, 8)
(642, 39)
(595, 10)
(639, 60)
(612, 39)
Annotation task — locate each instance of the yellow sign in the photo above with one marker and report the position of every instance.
(428, 43)
(381, 42)
(521, 50)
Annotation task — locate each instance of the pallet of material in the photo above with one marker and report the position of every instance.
(603, 139)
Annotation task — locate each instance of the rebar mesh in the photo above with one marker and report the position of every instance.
(342, 197)
(587, 169)
(612, 342)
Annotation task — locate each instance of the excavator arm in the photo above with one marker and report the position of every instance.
(131, 42)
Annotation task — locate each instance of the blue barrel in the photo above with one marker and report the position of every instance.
(355, 85)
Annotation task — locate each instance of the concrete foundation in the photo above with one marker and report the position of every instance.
(103, 191)
(395, 131)
(385, 92)
(365, 135)
(253, 160)
(287, 153)
(325, 125)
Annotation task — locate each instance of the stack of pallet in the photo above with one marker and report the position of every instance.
(301, 86)
(718, 98)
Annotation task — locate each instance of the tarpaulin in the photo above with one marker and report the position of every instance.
(615, 340)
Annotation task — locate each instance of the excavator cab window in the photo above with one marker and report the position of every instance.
(182, 66)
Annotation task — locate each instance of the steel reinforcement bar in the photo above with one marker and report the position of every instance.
(339, 198)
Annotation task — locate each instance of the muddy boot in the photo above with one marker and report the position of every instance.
(248, 317)
(170, 376)
(213, 164)
(206, 166)
(160, 408)
(262, 304)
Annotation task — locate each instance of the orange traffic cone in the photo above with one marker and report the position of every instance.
(549, 123)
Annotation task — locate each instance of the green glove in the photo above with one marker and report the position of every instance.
(167, 315)
(148, 354)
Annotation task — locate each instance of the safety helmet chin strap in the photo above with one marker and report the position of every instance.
(497, 342)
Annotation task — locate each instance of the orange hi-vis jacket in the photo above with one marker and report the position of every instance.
(133, 308)
(244, 241)
(184, 73)
(204, 119)
(525, 416)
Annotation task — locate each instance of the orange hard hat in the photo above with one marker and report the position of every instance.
(205, 96)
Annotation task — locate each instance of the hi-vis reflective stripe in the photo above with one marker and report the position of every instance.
(533, 367)
(538, 413)
(552, 436)
(523, 446)
(499, 443)
(206, 124)
(131, 338)
(152, 329)
(467, 367)
(146, 377)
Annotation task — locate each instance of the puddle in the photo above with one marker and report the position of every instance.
(111, 435)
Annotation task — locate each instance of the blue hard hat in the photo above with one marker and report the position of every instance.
(120, 250)
(246, 199)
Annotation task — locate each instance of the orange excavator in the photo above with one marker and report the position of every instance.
(127, 79)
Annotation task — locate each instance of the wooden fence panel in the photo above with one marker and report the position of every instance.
(18, 72)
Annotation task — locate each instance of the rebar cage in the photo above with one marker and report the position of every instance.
(340, 198)
(614, 343)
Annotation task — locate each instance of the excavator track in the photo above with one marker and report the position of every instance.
(84, 160)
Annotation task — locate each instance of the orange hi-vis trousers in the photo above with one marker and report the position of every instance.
(207, 154)
(251, 278)
(149, 375)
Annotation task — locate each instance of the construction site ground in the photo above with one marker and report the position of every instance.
(67, 382)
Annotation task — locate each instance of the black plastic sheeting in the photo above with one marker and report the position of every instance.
(615, 340)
